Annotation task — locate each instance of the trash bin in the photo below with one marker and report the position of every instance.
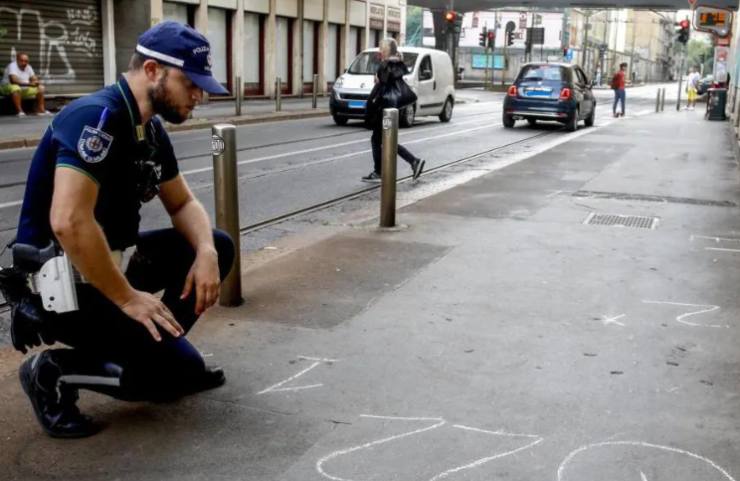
(716, 102)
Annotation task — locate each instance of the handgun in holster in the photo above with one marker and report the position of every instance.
(39, 283)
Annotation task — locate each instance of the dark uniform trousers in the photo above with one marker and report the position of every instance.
(101, 332)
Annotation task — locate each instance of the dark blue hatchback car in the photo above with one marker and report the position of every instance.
(550, 91)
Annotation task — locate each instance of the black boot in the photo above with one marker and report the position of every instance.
(53, 402)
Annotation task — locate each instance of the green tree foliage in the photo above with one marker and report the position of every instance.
(700, 52)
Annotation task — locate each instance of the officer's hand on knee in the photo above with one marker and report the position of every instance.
(149, 311)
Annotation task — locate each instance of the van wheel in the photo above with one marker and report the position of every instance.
(508, 121)
(446, 113)
(572, 124)
(408, 114)
(339, 120)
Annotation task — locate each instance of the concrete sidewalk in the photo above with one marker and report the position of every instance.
(493, 335)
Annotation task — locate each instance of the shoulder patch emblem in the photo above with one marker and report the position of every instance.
(93, 144)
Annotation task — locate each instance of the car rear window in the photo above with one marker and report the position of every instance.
(537, 73)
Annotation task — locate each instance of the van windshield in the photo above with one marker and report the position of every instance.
(537, 73)
(367, 63)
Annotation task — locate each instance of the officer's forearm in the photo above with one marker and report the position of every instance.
(84, 242)
(192, 221)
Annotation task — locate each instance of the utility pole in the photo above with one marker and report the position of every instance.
(586, 28)
(493, 48)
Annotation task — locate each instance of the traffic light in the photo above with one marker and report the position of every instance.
(483, 37)
(492, 39)
(455, 19)
(684, 30)
(509, 37)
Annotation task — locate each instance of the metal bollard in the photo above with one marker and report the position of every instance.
(315, 90)
(657, 101)
(278, 94)
(223, 147)
(662, 99)
(239, 94)
(388, 166)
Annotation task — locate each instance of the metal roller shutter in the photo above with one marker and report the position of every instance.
(64, 41)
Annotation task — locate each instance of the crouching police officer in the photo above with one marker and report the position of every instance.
(101, 158)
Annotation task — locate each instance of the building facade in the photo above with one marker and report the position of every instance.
(77, 46)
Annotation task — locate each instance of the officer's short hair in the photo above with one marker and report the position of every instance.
(137, 61)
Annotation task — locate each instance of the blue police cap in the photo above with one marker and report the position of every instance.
(172, 43)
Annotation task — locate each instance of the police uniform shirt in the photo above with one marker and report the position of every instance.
(102, 137)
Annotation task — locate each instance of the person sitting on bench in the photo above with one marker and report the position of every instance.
(20, 83)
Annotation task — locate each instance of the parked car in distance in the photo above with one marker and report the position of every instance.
(430, 76)
(550, 91)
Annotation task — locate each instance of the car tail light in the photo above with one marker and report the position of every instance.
(512, 91)
(565, 94)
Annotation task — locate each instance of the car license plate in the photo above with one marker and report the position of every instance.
(357, 104)
(538, 92)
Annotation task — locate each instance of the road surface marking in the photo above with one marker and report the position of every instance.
(707, 308)
(639, 444)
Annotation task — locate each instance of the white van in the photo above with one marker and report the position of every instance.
(430, 76)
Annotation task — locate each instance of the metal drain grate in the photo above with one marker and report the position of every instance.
(638, 221)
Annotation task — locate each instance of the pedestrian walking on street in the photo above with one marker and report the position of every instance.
(390, 91)
(618, 87)
(102, 157)
(692, 88)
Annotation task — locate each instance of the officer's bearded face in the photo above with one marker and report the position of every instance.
(171, 96)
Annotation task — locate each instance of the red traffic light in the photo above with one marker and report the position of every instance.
(684, 23)
(491, 36)
(450, 16)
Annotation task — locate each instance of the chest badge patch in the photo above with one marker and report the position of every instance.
(94, 144)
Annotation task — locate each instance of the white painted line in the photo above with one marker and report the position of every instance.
(707, 308)
(297, 388)
(497, 433)
(715, 239)
(720, 249)
(482, 461)
(322, 359)
(275, 386)
(320, 463)
(613, 320)
(398, 418)
(11, 204)
(439, 423)
(342, 144)
(588, 219)
(639, 444)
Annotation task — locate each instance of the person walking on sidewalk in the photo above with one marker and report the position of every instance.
(21, 83)
(391, 70)
(692, 88)
(618, 85)
(102, 157)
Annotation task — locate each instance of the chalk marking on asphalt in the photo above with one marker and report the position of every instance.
(439, 423)
(643, 477)
(320, 463)
(10, 204)
(715, 239)
(317, 362)
(322, 359)
(709, 308)
(613, 320)
(485, 460)
(720, 249)
(641, 444)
